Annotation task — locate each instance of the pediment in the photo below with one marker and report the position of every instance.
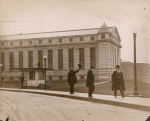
(115, 33)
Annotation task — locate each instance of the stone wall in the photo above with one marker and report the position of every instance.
(142, 71)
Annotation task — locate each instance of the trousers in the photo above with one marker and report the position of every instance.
(121, 91)
(91, 90)
(71, 88)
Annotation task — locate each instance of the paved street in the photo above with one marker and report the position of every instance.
(34, 107)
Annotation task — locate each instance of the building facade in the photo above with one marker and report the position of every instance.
(99, 47)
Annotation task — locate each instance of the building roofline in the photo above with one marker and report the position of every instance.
(52, 32)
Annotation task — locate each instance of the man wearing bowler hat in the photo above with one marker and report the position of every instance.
(72, 78)
(117, 81)
(90, 82)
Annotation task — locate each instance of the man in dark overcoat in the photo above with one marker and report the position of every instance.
(117, 81)
(72, 79)
(90, 82)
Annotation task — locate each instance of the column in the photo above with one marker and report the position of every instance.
(25, 58)
(76, 58)
(87, 57)
(55, 59)
(65, 59)
(35, 58)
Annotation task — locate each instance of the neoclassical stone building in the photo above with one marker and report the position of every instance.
(99, 47)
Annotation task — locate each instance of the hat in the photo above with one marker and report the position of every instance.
(117, 66)
(92, 67)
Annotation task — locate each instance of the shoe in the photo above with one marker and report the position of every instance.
(90, 96)
(115, 96)
(71, 92)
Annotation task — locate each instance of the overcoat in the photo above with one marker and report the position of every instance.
(90, 78)
(72, 77)
(117, 81)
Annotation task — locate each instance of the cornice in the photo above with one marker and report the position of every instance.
(56, 37)
(50, 45)
(110, 41)
(62, 44)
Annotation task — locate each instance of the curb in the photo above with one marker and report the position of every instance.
(103, 101)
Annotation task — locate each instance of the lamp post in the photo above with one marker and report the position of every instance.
(135, 93)
(1, 74)
(45, 69)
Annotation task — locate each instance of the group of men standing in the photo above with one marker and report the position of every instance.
(73, 80)
(117, 81)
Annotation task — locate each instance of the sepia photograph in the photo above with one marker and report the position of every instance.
(74, 60)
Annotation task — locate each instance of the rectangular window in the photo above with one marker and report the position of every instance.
(11, 61)
(103, 36)
(60, 58)
(41, 75)
(92, 57)
(11, 43)
(60, 40)
(21, 43)
(40, 41)
(50, 59)
(50, 40)
(81, 38)
(30, 42)
(3, 60)
(40, 58)
(71, 58)
(81, 57)
(70, 39)
(20, 59)
(31, 75)
(30, 59)
(92, 38)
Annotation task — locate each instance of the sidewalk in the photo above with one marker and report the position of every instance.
(137, 103)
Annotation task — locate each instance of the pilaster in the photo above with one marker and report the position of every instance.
(35, 58)
(87, 57)
(25, 58)
(65, 59)
(55, 59)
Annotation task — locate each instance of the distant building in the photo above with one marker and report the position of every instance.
(143, 71)
(99, 47)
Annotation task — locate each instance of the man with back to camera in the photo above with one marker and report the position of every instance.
(90, 82)
(72, 78)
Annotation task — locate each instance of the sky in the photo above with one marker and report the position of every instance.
(33, 16)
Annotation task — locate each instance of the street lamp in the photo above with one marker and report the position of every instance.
(135, 75)
(45, 69)
(1, 74)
